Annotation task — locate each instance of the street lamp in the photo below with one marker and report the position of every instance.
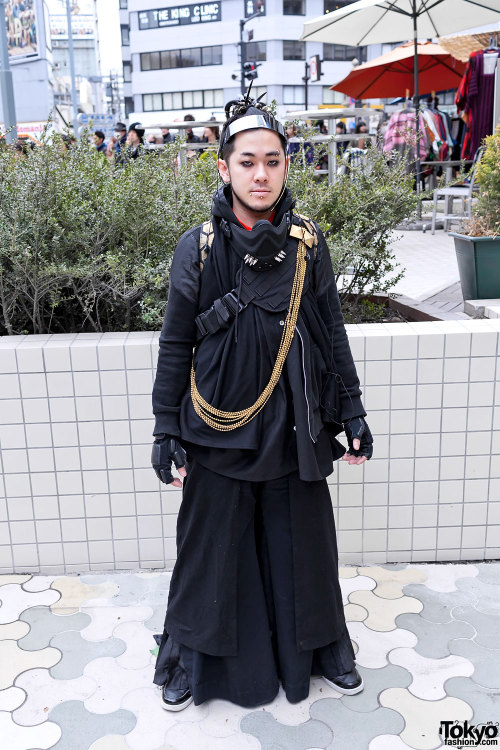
(6, 85)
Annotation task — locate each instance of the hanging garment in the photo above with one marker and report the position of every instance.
(475, 99)
(400, 136)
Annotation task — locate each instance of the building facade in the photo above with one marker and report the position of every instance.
(30, 59)
(180, 59)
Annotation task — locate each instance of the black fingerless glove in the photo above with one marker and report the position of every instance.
(165, 450)
(356, 428)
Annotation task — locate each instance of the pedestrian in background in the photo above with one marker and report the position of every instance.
(99, 143)
(135, 140)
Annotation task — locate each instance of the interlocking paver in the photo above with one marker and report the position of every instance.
(44, 625)
(103, 624)
(486, 661)
(272, 734)
(429, 675)
(422, 718)
(375, 681)
(80, 727)
(433, 637)
(484, 702)
(77, 653)
(437, 606)
(43, 693)
(14, 600)
(348, 730)
(383, 612)
(487, 626)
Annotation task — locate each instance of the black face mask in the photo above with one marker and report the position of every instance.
(261, 247)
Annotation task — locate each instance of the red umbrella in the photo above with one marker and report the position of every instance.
(392, 74)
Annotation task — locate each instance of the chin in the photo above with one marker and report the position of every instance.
(262, 206)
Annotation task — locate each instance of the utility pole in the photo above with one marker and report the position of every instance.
(243, 48)
(306, 80)
(74, 100)
(6, 85)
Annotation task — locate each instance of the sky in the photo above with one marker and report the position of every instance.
(109, 35)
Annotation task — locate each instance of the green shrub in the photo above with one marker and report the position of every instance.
(87, 246)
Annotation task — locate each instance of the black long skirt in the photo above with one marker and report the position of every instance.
(267, 651)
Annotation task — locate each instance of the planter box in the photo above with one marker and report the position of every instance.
(478, 261)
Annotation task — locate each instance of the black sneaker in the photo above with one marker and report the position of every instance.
(175, 700)
(349, 683)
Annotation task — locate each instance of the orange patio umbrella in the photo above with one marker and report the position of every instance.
(392, 74)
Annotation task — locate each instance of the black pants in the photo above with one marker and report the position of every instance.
(267, 648)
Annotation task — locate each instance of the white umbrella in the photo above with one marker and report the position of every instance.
(379, 21)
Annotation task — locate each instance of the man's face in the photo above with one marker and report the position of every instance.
(256, 170)
(132, 138)
(97, 140)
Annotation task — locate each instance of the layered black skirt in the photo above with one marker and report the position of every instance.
(249, 564)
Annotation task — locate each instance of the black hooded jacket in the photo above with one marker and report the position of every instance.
(318, 389)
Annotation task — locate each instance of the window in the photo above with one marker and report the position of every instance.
(294, 8)
(190, 58)
(129, 105)
(123, 4)
(152, 102)
(331, 5)
(211, 55)
(293, 95)
(170, 59)
(125, 36)
(256, 51)
(127, 72)
(343, 53)
(181, 58)
(183, 100)
(332, 97)
(294, 50)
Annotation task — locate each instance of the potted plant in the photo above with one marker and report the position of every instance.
(478, 246)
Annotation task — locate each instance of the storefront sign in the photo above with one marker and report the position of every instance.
(180, 15)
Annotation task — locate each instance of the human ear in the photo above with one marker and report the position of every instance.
(224, 171)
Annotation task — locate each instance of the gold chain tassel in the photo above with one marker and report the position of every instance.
(225, 421)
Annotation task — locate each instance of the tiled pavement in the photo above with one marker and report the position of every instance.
(76, 666)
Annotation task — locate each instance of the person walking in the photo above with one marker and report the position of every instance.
(251, 423)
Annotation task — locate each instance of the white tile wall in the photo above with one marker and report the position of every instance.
(77, 492)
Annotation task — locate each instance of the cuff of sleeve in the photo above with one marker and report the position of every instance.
(168, 423)
(353, 408)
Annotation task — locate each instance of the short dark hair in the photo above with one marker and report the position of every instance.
(189, 118)
(99, 134)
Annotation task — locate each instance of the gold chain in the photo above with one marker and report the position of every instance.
(230, 420)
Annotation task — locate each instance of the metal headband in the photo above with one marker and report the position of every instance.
(250, 122)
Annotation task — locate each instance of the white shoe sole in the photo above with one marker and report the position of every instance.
(345, 691)
(179, 707)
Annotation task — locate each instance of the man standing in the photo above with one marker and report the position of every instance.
(250, 422)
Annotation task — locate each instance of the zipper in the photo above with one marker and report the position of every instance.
(305, 384)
